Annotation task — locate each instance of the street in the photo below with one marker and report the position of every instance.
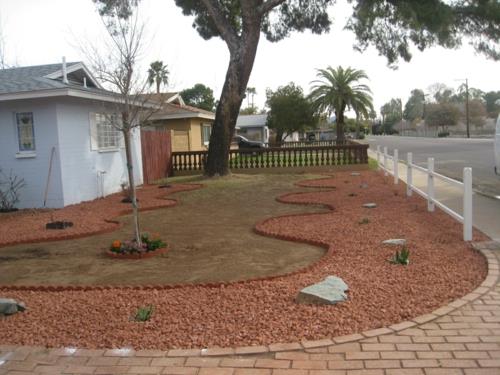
(451, 155)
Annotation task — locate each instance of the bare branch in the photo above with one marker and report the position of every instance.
(226, 31)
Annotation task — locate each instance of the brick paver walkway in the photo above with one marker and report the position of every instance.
(460, 338)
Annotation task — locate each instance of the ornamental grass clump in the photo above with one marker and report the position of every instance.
(133, 247)
(401, 257)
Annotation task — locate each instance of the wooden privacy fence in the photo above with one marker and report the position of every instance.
(156, 154)
(277, 157)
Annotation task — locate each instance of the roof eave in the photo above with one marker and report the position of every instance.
(71, 92)
(176, 116)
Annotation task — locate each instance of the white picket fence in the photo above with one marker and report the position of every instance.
(429, 194)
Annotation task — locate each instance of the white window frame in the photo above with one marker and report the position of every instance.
(105, 137)
(24, 152)
(203, 127)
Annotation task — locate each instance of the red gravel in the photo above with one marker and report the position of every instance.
(442, 268)
(88, 217)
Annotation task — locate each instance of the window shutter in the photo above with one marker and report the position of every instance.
(94, 144)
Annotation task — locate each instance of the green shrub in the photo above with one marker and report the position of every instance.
(443, 134)
(143, 314)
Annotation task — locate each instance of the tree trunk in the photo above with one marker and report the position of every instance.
(340, 126)
(237, 76)
(357, 127)
(133, 194)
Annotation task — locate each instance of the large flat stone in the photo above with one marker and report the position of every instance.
(369, 205)
(9, 306)
(327, 292)
(395, 241)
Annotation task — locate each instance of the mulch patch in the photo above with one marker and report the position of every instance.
(442, 268)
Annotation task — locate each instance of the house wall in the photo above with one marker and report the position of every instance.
(34, 170)
(255, 133)
(88, 174)
(186, 133)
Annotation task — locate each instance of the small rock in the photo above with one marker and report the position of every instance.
(364, 185)
(370, 205)
(395, 241)
(9, 306)
(355, 174)
(327, 292)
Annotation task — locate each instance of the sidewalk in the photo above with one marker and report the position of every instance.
(486, 211)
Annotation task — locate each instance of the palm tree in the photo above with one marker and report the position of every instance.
(337, 90)
(158, 73)
(250, 91)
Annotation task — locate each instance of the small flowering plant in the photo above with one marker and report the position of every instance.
(133, 247)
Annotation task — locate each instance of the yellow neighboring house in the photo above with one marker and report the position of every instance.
(190, 126)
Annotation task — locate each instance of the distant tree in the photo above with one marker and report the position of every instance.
(338, 90)
(289, 111)
(158, 74)
(441, 114)
(199, 96)
(392, 26)
(391, 114)
(477, 112)
(474, 94)
(492, 100)
(414, 107)
(252, 110)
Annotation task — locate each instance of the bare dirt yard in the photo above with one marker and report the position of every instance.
(220, 218)
(210, 235)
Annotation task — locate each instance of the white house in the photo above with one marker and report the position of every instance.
(253, 127)
(56, 133)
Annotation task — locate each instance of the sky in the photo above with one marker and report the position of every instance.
(41, 32)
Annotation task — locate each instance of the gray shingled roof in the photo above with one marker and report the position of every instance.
(32, 78)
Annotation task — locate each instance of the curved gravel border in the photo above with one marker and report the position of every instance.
(101, 212)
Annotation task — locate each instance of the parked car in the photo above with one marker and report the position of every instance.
(246, 143)
(497, 146)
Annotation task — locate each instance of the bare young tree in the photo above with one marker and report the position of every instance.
(3, 64)
(115, 64)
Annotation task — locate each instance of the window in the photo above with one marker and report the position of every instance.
(104, 131)
(25, 131)
(206, 130)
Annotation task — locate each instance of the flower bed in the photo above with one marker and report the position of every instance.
(146, 248)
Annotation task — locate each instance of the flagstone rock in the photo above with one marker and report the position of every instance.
(370, 205)
(327, 292)
(9, 306)
(355, 174)
(395, 241)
